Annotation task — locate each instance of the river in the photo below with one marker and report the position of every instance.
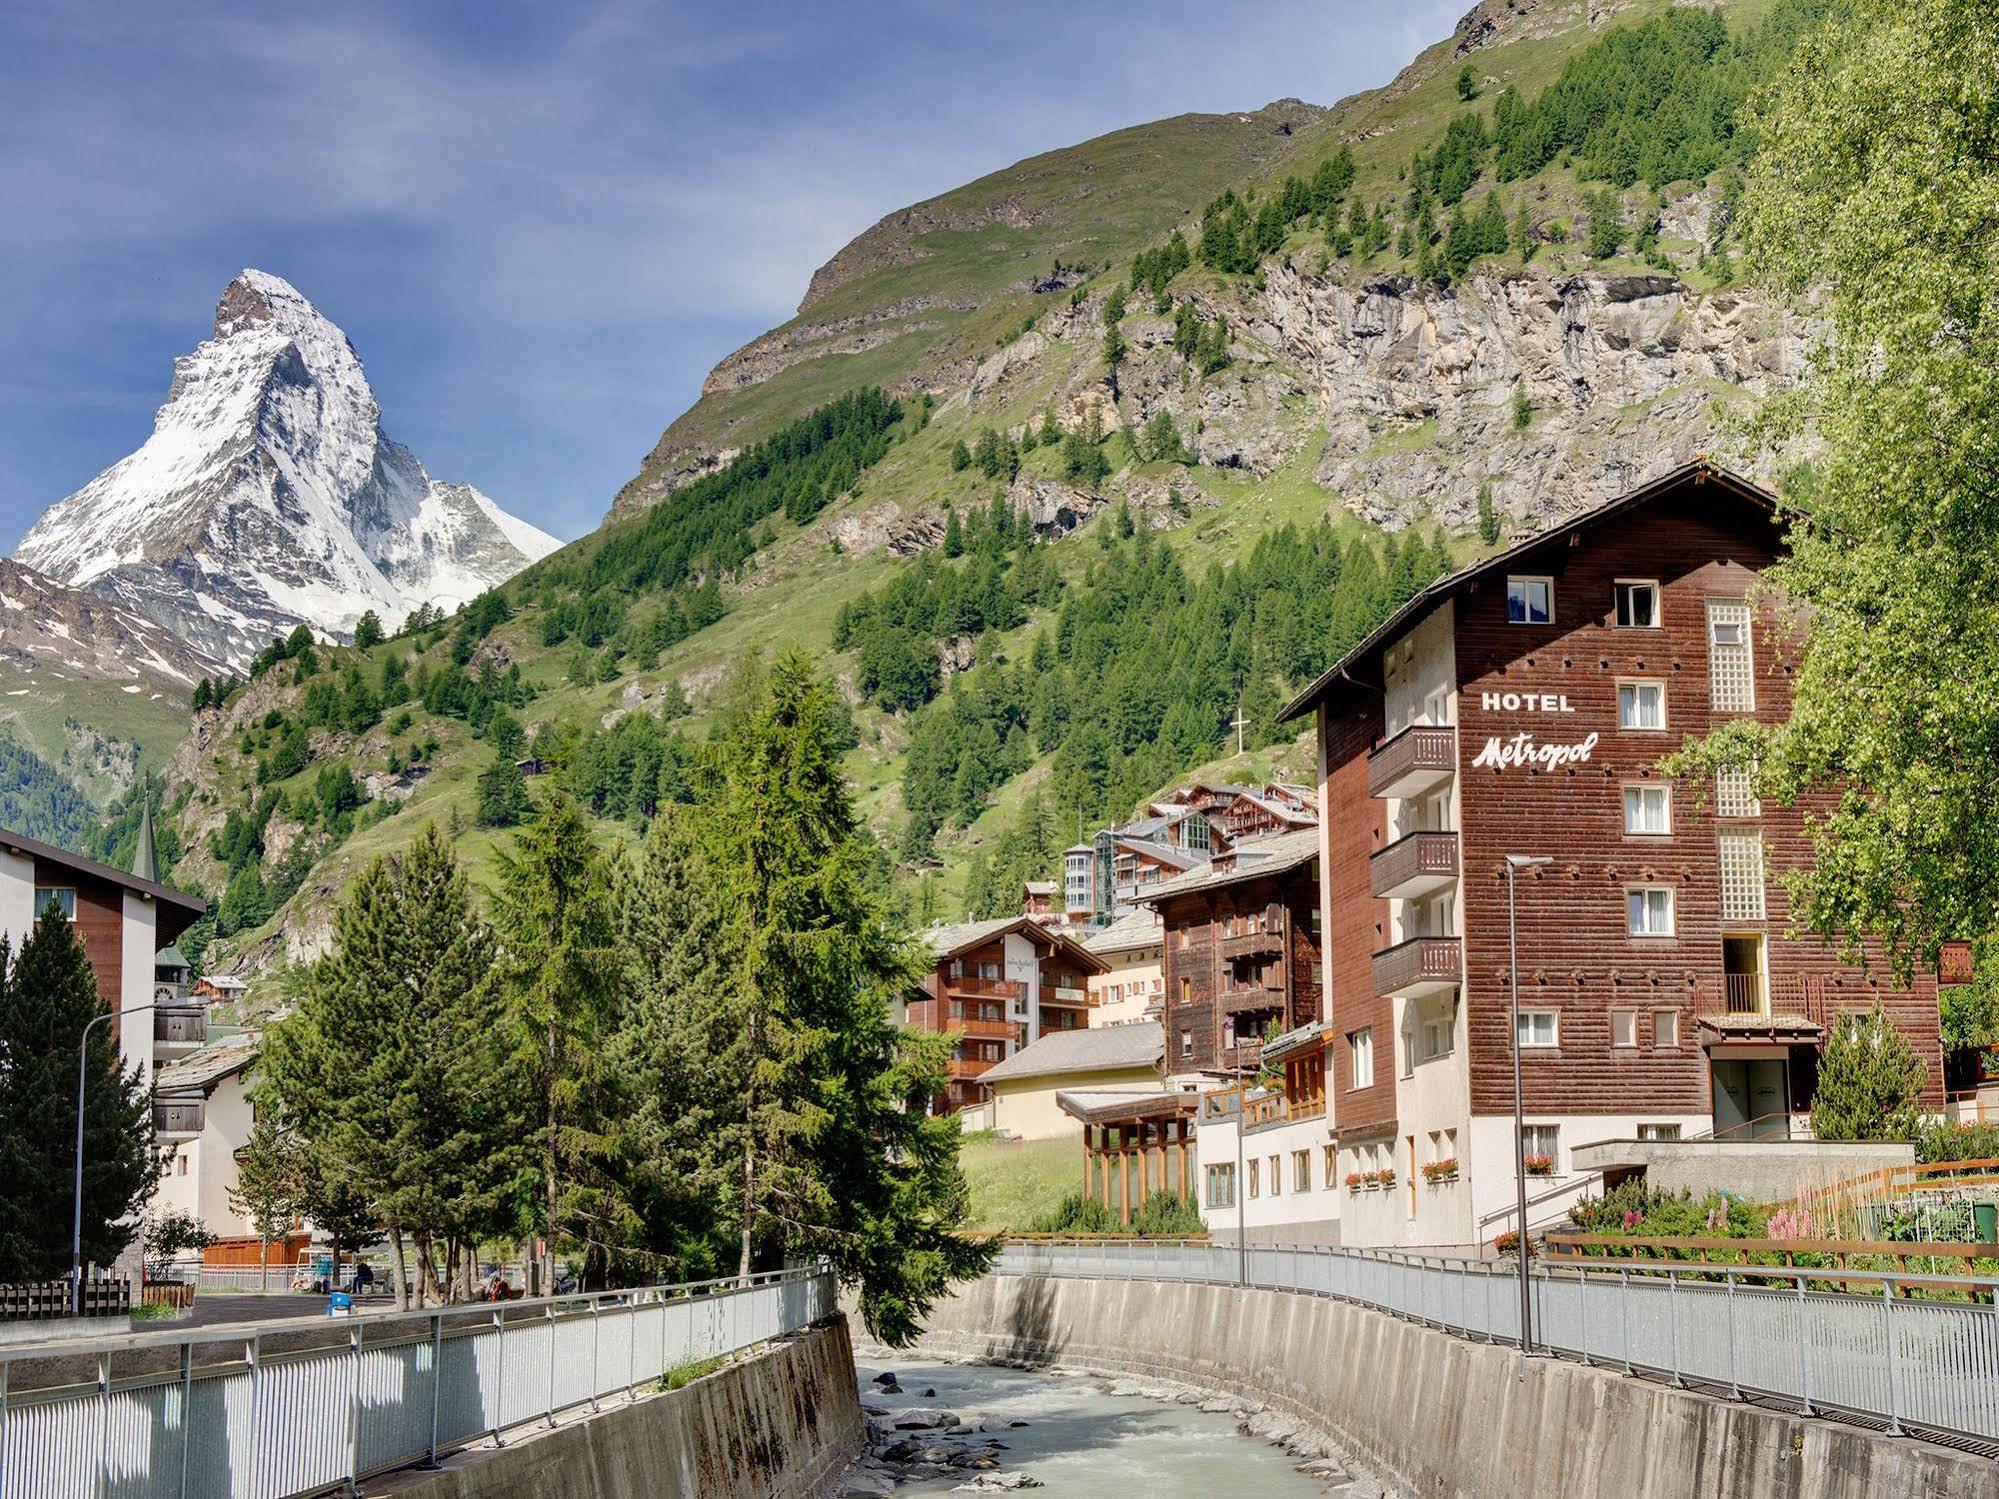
(1079, 1441)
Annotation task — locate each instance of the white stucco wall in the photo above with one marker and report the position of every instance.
(1139, 974)
(203, 1189)
(1286, 1217)
(136, 947)
(1024, 967)
(17, 895)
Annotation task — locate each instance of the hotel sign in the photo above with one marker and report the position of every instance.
(1523, 749)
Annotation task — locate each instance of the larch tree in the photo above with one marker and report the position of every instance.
(1872, 200)
(561, 974)
(840, 1156)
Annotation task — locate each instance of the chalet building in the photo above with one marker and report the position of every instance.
(1269, 1167)
(1520, 707)
(998, 986)
(1038, 899)
(1243, 956)
(124, 919)
(1133, 987)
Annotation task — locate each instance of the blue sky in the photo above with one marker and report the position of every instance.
(540, 224)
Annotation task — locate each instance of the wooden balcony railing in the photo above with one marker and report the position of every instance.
(1422, 756)
(1413, 865)
(1248, 943)
(1064, 994)
(1422, 965)
(985, 988)
(178, 1116)
(179, 1025)
(965, 1069)
(954, 1017)
(1267, 995)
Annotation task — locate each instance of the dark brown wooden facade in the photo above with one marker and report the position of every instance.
(1642, 1021)
(1242, 958)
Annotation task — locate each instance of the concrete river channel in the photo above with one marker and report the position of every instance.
(1079, 1439)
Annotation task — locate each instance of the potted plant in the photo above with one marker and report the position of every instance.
(1438, 1172)
(1356, 1180)
(1385, 1178)
(1539, 1165)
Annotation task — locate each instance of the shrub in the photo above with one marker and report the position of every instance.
(1944, 1140)
(1870, 1081)
(1078, 1214)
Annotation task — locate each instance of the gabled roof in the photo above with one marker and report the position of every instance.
(1140, 928)
(202, 1069)
(948, 940)
(187, 908)
(1104, 1048)
(1265, 856)
(1164, 853)
(1700, 472)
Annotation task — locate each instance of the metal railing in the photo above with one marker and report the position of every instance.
(1768, 1333)
(215, 1413)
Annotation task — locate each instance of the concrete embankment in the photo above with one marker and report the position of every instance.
(783, 1423)
(1442, 1416)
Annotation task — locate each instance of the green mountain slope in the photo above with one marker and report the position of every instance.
(1053, 545)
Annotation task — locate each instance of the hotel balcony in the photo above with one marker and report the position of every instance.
(1413, 865)
(178, 1029)
(953, 1018)
(1420, 758)
(178, 1118)
(1420, 966)
(1265, 995)
(1064, 994)
(969, 1069)
(1243, 944)
(985, 988)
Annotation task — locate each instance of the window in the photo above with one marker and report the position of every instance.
(1641, 705)
(1542, 1141)
(1301, 1170)
(1276, 1178)
(1650, 909)
(60, 896)
(1434, 1036)
(1360, 1054)
(1735, 794)
(1186, 1043)
(1637, 605)
(1186, 991)
(1658, 1132)
(1623, 1027)
(1741, 877)
(1221, 1186)
(182, 1168)
(1666, 1028)
(1197, 833)
(1731, 660)
(1539, 1028)
(1331, 1174)
(1530, 601)
(1255, 1178)
(1648, 810)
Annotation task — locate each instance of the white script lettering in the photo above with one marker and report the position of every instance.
(1522, 750)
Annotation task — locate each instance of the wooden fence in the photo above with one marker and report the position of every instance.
(39, 1301)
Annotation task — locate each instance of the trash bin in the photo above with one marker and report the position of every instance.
(1985, 1219)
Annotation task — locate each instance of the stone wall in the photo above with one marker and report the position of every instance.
(1441, 1416)
(782, 1424)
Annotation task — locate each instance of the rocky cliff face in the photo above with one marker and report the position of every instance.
(268, 495)
(47, 627)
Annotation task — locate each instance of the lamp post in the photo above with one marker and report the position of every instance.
(76, 1215)
(1514, 864)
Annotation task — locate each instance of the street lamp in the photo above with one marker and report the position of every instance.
(1514, 864)
(76, 1216)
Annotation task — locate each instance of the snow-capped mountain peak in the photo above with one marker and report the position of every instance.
(268, 494)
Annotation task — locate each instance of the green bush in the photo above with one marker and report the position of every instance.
(1080, 1215)
(1942, 1140)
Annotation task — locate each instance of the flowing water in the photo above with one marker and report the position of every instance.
(1084, 1444)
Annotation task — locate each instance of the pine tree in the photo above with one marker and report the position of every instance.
(1488, 515)
(560, 970)
(48, 996)
(841, 1156)
(1870, 1081)
(368, 630)
(501, 796)
(961, 456)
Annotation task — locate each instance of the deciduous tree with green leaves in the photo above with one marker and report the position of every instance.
(1873, 198)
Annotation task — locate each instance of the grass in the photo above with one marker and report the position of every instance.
(1017, 1183)
(684, 1374)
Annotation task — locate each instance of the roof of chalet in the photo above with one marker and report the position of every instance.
(223, 981)
(1299, 1038)
(1140, 928)
(1165, 853)
(1699, 471)
(1108, 1106)
(947, 940)
(1040, 887)
(1103, 1048)
(1279, 855)
(192, 905)
(1277, 808)
(202, 1069)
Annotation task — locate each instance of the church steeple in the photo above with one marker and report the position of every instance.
(144, 864)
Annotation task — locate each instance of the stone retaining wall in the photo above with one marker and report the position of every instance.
(783, 1423)
(1440, 1416)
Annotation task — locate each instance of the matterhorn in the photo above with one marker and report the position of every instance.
(269, 496)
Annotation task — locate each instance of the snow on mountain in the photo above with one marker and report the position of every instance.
(268, 494)
(49, 626)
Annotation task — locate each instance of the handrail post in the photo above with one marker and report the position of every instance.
(1804, 1346)
(1673, 1322)
(1894, 1373)
(1624, 1313)
(551, 1361)
(354, 1413)
(4, 1367)
(595, 1336)
(436, 1383)
(251, 1351)
(1734, 1388)
(500, 1395)
(103, 1421)
(1582, 1313)
(631, 1344)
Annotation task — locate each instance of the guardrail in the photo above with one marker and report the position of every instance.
(227, 1416)
(1882, 1359)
